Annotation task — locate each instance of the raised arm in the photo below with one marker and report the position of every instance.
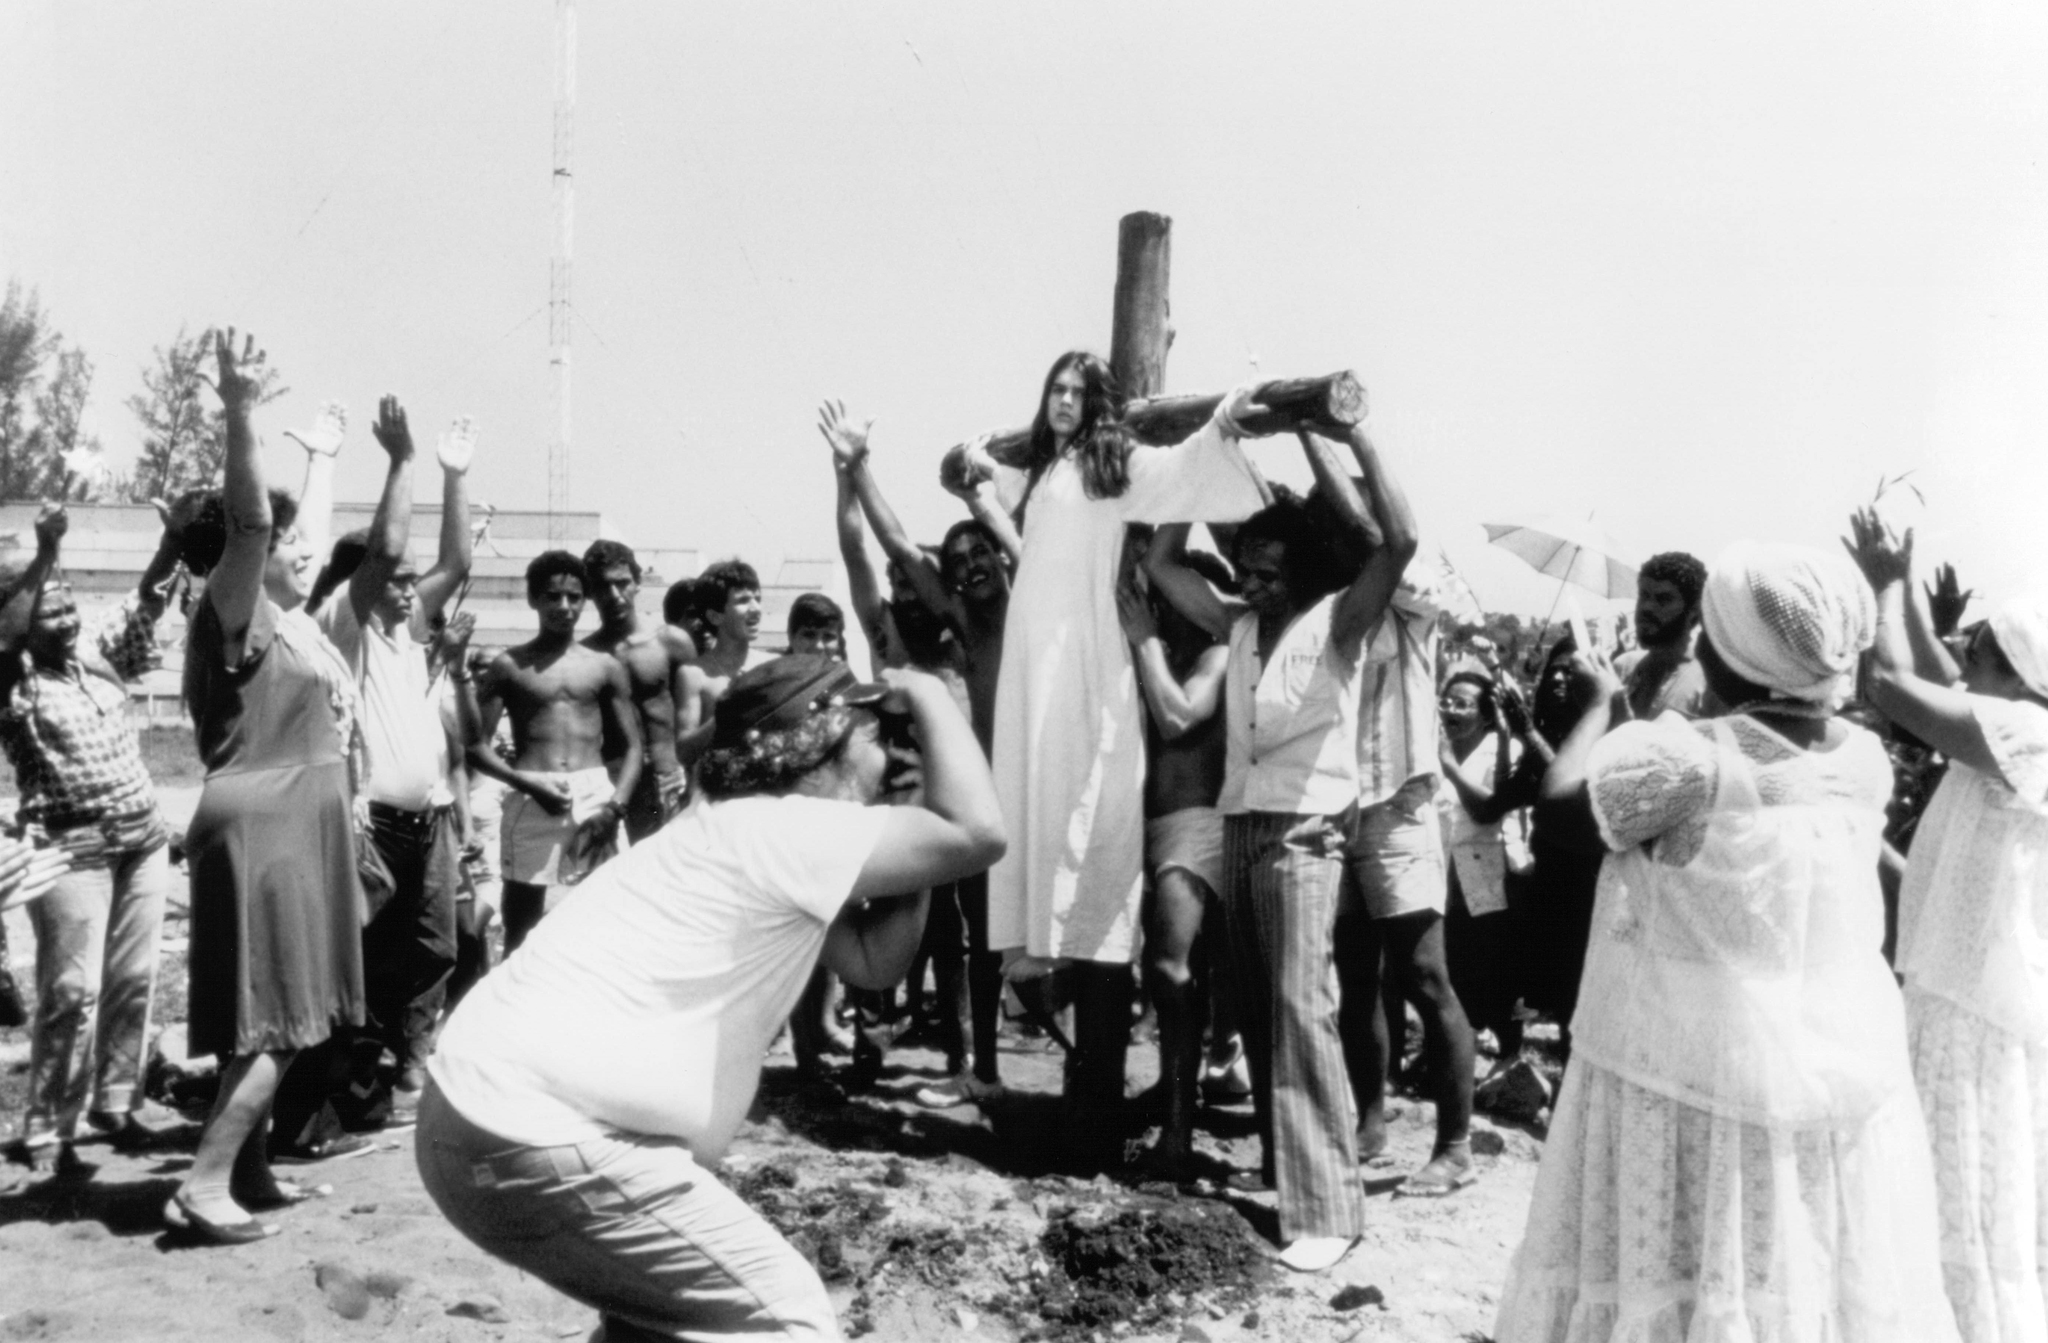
(18, 597)
(1189, 592)
(989, 512)
(391, 528)
(439, 584)
(236, 583)
(1938, 712)
(1594, 685)
(1380, 525)
(958, 831)
(850, 451)
(322, 443)
(861, 585)
(1177, 706)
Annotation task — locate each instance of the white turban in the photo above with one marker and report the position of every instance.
(2021, 628)
(1790, 618)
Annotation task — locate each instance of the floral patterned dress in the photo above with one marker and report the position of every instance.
(1737, 1153)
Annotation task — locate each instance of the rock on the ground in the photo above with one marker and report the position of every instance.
(1516, 1092)
(346, 1294)
(482, 1308)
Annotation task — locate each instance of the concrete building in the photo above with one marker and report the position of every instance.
(108, 545)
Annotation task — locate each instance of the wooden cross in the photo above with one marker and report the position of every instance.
(1140, 335)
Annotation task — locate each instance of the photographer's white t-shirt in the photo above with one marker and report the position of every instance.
(644, 1003)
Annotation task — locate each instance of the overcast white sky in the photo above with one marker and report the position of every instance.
(1704, 272)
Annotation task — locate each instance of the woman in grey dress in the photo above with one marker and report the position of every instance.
(276, 954)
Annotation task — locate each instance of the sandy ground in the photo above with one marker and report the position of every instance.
(946, 1225)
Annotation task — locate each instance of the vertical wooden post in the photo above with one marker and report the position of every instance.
(1140, 333)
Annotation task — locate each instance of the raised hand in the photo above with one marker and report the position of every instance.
(324, 438)
(451, 643)
(1511, 708)
(967, 467)
(240, 375)
(1135, 611)
(1593, 678)
(51, 524)
(1240, 405)
(849, 440)
(1946, 601)
(393, 434)
(1882, 556)
(457, 445)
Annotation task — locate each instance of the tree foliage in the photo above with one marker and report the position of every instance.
(43, 391)
(184, 435)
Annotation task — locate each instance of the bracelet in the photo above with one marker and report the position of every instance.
(460, 680)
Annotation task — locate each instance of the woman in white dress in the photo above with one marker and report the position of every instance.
(1973, 935)
(1069, 753)
(1737, 1153)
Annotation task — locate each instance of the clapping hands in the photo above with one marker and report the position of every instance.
(1947, 599)
(1883, 556)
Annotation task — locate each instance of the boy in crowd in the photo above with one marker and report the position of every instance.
(727, 600)
(611, 575)
(562, 816)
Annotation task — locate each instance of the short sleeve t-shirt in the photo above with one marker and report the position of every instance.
(403, 743)
(645, 1002)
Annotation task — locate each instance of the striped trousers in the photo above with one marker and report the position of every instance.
(1281, 877)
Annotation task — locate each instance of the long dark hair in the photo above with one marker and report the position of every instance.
(1101, 445)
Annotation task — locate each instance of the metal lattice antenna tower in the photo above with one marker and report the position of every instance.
(558, 267)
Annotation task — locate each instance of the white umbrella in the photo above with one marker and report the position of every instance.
(1572, 550)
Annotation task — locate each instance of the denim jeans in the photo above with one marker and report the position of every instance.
(96, 945)
(631, 1226)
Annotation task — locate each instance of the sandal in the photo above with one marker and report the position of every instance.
(288, 1193)
(1441, 1178)
(183, 1218)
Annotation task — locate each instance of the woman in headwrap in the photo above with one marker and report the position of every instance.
(1973, 950)
(1737, 1152)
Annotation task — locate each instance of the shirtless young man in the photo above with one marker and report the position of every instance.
(1180, 670)
(563, 813)
(611, 575)
(729, 598)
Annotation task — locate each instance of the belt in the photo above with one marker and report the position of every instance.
(420, 822)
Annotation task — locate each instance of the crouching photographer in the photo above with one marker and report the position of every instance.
(581, 1091)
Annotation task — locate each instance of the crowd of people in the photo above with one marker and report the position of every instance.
(1802, 996)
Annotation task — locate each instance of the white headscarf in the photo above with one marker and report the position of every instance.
(2021, 628)
(1790, 618)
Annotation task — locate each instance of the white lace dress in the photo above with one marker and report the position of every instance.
(1973, 948)
(1737, 1155)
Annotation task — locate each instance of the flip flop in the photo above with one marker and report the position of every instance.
(184, 1219)
(289, 1193)
(1421, 1185)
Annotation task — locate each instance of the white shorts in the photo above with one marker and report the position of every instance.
(540, 850)
(1190, 839)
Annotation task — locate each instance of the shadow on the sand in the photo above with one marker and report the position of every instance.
(132, 1208)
